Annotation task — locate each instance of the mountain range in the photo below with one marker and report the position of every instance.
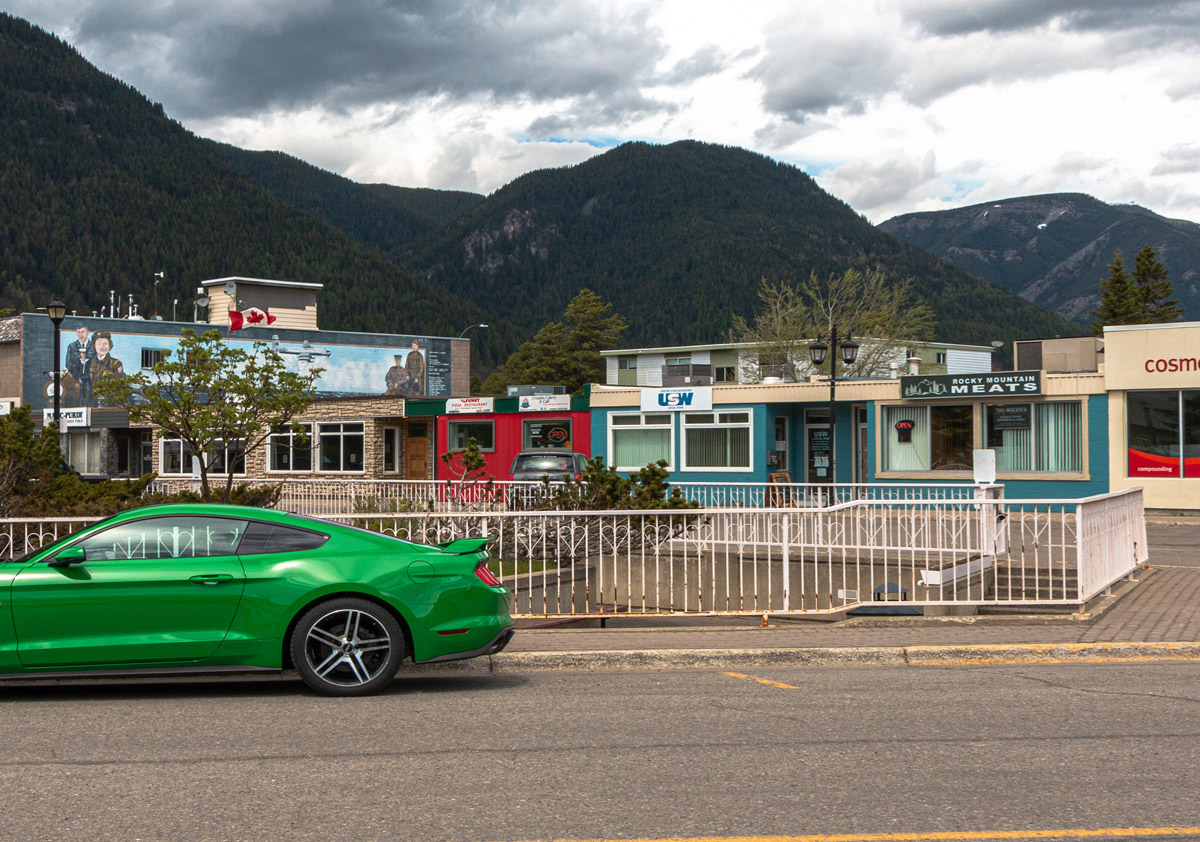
(100, 190)
(1055, 249)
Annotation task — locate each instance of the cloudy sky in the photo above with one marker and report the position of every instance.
(892, 105)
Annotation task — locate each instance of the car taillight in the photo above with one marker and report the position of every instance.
(486, 576)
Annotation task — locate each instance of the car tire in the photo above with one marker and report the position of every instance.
(347, 647)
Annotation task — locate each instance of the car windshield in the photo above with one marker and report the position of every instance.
(547, 464)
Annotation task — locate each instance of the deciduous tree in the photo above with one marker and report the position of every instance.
(221, 401)
(865, 306)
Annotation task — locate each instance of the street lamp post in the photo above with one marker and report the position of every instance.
(465, 329)
(817, 351)
(57, 310)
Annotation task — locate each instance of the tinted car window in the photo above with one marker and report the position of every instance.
(261, 538)
(549, 464)
(166, 537)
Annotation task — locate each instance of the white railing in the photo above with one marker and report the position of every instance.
(331, 496)
(935, 554)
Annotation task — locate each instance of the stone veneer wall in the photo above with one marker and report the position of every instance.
(375, 413)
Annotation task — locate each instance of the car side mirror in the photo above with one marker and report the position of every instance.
(69, 556)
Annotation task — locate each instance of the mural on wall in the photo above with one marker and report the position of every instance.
(415, 367)
(89, 358)
(407, 376)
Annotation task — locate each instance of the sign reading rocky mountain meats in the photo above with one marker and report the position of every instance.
(994, 385)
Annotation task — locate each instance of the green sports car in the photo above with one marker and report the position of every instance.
(218, 589)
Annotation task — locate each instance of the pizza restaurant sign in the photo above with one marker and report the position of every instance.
(995, 385)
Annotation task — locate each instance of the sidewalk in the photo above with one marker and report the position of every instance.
(1156, 618)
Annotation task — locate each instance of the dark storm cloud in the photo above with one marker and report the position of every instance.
(244, 58)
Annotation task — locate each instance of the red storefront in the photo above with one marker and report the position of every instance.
(506, 426)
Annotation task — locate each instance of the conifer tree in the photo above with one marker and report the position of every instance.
(1120, 299)
(1150, 279)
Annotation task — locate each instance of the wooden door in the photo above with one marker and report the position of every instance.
(417, 436)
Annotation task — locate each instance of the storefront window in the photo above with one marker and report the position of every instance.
(1191, 434)
(341, 447)
(638, 440)
(719, 441)
(553, 433)
(1153, 434)
(484, 433)
(83, 451)
(1036, 437)
(291, 450)
(175, 457)
(950, 439)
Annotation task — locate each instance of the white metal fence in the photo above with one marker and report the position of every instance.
(743, 560)
(320, 497)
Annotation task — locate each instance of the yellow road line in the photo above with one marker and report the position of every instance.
(1063, 833)
(762, 681)
(1050, 653)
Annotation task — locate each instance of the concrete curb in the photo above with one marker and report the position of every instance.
(856, 656)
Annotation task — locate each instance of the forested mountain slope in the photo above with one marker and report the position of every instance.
(99, 190)
(1055, 249)
(380, 215)
(678, 237)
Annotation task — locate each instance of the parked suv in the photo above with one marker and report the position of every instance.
(535, 464)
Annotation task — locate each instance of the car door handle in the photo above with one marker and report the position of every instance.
(211, 578)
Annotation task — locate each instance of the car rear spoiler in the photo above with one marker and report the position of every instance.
(464, 546)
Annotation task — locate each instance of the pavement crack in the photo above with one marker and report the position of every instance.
(1099, 692)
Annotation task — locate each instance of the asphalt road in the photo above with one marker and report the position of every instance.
(571, 755)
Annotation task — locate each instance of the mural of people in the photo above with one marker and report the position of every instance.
(77, 386)
(104, 364)
(396, 378)
(414, 364)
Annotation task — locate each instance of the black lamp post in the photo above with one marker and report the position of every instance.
(57, 311)
(817, 351)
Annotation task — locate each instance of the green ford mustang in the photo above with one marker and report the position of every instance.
(214, 588)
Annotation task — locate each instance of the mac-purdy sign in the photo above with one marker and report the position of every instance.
(677, 400)
(74, 416)
(996, 385)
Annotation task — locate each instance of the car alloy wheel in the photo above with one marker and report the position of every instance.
(347, 647)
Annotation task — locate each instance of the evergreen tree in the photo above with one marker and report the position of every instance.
(565, 353)
(1120, 299)
(1150, 279)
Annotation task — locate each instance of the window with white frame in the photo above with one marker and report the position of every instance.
(627, 363)
(290, 450)
(83, 451)
(341, 447)
(175, 457)
(484, 433)
(717, 441)
(636, 440)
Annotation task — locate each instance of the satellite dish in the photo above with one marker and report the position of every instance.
(202, 301)
(230, 289)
